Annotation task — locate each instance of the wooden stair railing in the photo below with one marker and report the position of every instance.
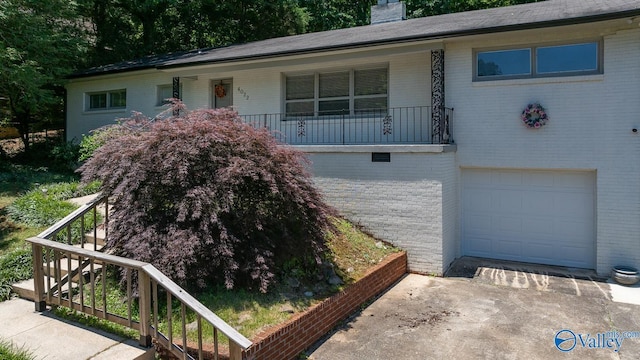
(83, 288)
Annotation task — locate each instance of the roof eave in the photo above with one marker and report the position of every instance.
(395, 40)
(436, 36)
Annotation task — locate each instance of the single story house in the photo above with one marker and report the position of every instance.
(420, 129)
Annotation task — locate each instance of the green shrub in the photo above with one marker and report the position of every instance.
(53, 153)
(36, 208)
(90, 143)
(8, 351)
(65, 155)
(46, 205)
(15, 266)
(15, 178)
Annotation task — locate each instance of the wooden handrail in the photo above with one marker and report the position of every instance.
(196, 306)
(147, 275)
(95, 255)
(76, 214)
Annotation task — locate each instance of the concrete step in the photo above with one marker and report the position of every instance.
(49, 337)
(99, 239)
(90, 246)
(64, 267)
(26, 289)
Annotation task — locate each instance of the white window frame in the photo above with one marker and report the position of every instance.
(533, 64)
(108, 98)
(160, 100)
(351, 97)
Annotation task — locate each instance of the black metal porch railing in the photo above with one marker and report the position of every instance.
(402, 125)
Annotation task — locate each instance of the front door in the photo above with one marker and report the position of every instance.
(222, 93)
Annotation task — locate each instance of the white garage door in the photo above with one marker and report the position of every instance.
(542, 217)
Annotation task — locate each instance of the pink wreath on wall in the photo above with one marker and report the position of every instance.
(534, 116)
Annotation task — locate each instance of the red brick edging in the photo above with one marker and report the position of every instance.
(287, 340)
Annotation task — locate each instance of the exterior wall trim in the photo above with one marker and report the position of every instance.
(377, 148)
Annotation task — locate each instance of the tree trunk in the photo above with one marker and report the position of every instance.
(148, 33)
(24, 120)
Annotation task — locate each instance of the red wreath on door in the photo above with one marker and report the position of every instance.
(220, 91)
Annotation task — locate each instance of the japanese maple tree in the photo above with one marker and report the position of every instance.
(208, 199)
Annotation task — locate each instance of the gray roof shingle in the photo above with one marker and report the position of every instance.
(532, 15)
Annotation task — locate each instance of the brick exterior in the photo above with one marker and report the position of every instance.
(590, 128)
(400, 201)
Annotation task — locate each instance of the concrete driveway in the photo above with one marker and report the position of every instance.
(491, 315)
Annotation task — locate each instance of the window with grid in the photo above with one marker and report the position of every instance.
(347, 92)
(105, 100)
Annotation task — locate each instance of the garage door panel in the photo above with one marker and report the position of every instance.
(537, 227)
(507, 225)
(540, 250)
(538, 203)
(507, 248)
(477, 178)
(480, 246)
(539, 179)
(507, 201)
(573, 231)
(508, 178)
(575, 180)
(480, 201)
(533, 216)
(478, 224)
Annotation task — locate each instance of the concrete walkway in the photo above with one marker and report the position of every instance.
(49, 337)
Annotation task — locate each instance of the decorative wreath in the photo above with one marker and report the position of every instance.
(534, 116)
(220, 91)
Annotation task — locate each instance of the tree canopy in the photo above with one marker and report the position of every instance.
(40, 43)
(127, 29)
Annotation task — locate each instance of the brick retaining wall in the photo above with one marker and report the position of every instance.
(289, 339)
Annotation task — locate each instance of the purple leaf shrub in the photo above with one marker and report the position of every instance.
(208, 199)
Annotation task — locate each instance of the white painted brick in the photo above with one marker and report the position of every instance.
(590, 129)
(401, 201)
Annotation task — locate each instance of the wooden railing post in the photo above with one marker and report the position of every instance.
(235, 351)
(38, 279)
(144, 303)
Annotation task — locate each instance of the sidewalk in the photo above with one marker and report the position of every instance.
(49, 337)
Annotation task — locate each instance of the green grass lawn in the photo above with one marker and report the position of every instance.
(8, 351)
(15, 181)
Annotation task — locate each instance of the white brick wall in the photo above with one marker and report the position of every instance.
(400, 201)
(591, 118)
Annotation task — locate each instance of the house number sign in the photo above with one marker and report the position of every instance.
(243, 93)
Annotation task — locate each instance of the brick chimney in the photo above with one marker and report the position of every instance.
(388, 11)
